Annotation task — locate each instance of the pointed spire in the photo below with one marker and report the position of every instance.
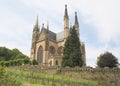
(36, 21)
(66, 13)
(76, 25)
(76, 19)
(36, 26)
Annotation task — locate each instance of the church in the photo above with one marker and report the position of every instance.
(47, 46)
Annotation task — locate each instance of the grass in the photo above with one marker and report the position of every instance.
(29, 78)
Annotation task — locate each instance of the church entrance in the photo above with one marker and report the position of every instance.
(40, 55)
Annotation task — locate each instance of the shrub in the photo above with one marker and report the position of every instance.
(26, 61)
(34, 62)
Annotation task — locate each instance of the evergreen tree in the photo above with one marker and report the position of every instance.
(72, 54)
(66, 53)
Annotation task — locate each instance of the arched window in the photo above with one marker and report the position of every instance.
(56, 62)
(40, 55)
(52, 50)
(60, 50)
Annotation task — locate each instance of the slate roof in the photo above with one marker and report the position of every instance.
(54, 36)
(60, 36)
(51, 34)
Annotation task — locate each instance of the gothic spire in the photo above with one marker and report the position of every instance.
(76, 24)
(36, 26)
(76, 19)
(66, 23)
(36, 21)
(66, 13)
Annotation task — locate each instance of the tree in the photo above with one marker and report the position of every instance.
(66, 53)
(20, 56)
(12, 57)
(15, 54)
(7, 54)
(107, 60)
(72, 54)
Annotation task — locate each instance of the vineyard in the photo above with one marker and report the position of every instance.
(35, 76)
(46, 79)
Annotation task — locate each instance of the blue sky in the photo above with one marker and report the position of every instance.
(99, 22)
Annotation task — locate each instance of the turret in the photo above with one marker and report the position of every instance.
(35, 36)
(66, 23)
(35, 32)
(76, 24)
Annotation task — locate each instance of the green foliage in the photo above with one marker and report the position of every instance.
(7, 79)
(34, 62)
(7, 54)
(6, 63)
(107, 60)
(1, 72)
(38, 79)
(66, 54)
(72, 54)
(15, 54)
(21, 56)
(26, 61)
(16, 62)
(12, 57)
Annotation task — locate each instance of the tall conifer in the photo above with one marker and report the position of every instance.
(72, 54)
(66, 54)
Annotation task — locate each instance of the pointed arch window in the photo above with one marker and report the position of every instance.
(40, 55)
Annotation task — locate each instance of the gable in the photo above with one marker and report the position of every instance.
(42, 35)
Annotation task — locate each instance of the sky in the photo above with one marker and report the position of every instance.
(99, 22)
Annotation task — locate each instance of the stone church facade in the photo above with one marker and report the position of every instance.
(47, 46)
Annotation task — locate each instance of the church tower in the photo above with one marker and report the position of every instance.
(76, 24)
(35, 36)
(66, 23)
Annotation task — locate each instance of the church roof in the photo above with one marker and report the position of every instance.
(51, 34)
(55, 36)
(60, 36)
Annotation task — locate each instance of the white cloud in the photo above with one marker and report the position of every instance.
(14, 31)
(102, 14)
